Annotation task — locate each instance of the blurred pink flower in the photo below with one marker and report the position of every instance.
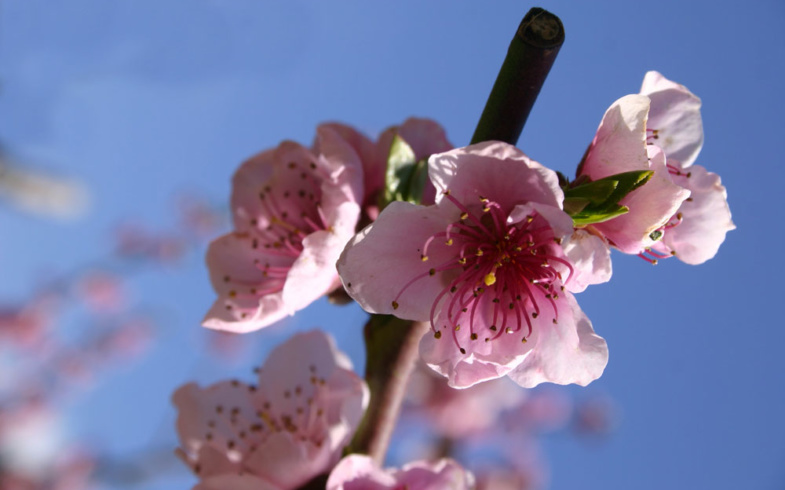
(359, 472)
(277, 434)
(25, 325)
(293, 212)
(459, 413)
(696, 230)
(102, 291)
(485, 265)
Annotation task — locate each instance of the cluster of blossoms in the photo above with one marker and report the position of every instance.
(489, 251)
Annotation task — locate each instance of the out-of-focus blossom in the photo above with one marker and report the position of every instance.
(459, 413)
(25, 325)
(293, 212)
(101, 291)
(542, 410)
(279, 433)
(198, 217)
(41, 193)
(597, 415)
(508, 479)
(129, 339)
(135, 242)
(485, 265)
(696, 230)
(620, 146)
(358, 472)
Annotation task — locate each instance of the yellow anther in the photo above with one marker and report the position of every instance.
(424, 258)
(490, 279)
(448, 242)
(464, 216)
(395, 305)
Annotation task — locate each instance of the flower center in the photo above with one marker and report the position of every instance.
(499, 275)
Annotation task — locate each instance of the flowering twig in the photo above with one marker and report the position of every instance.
(529, 59)
(392, 349)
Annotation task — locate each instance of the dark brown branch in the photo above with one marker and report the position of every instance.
(392, 347)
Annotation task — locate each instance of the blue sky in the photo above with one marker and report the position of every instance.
(142, 99)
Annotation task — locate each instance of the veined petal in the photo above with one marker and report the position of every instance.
(289, 463)
(620, 143)
(567, 352)
(373, 160)
(590, 255)
(675, 116)
(702, 220)
(381, 260)
(494, 169)
(247, 299)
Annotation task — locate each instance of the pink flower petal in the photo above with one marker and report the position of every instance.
(702, 220)
(590, 256)
(247, 300)
(620, 143)
(381, 260)
(493, 168)
(374, 160)
(675, 116)
(568, 352)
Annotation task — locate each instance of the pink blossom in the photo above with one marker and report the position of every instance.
(277, 434)
(293, 212)
(102, 291)
(620, 146)
(696, 230)
(485, 265)
(358, 472)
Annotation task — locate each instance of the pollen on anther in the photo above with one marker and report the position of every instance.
(464, 216)
(448, 242)
(490, 279)
(523, 340)
(424, 258)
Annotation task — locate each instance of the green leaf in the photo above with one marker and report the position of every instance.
(598, 201)
(406, 177)
(596, 192)
(587, 218)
